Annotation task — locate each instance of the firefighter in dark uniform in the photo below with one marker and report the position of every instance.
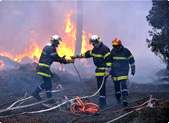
(100, 53)
(48, 56)
(120, 58)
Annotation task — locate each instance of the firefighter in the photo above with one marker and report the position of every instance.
(48, 56)
(100, 53)
(120, 58)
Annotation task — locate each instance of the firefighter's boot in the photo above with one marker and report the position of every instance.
(49, 95)
(118, 100)
(125, 102)
(102, 102)
(35, 94)
(118, 96)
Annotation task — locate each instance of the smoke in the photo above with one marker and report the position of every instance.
(125, 20)
(18, 19)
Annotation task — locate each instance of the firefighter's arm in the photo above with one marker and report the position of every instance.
(107, 57)
(133, 70)
(53, 53)
(87, 54)
(63, 60)
(57, 58)
(131, 61)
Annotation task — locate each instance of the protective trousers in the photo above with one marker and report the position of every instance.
(47, 85)
(102, 99)
(118, 85)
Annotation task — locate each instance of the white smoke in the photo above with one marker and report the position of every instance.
(125, 20)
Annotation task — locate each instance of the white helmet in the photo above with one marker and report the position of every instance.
(55, 40)
(95, 40)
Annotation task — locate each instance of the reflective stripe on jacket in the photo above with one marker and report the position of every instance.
(120, 63)
(43, 70)
(48, 56)
(100, 58)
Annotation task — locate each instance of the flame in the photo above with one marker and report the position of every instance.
(1, 64)
(7, 55)
(63, 69)
(33, 52)
(85, 46)
(67, 47)
(60, 69)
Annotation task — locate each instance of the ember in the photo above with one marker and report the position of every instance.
(1, 64)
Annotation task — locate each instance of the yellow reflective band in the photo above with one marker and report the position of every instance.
(101, 68)
(132, 64)
(45, 65)
(95, 55)
(129, 57)
(90, 53)
(83, 55)
(107, 55)
(43, 74)
(109, 64)
(51, 39)
(120, 78)
(99, 74)
(120, 58)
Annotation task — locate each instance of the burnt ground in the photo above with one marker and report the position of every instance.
(15, 83)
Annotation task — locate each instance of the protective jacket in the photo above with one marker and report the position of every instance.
(48, 56)
(100, 55)
(120, 63)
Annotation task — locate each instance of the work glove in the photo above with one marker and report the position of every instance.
(64, 56)
(106, 73)
(71, 61)
(74, 57)
(133, 70)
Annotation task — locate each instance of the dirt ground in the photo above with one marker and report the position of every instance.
(138, 94)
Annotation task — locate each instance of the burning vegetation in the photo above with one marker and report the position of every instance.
(18, 83)
(66, 47)
(1, 64)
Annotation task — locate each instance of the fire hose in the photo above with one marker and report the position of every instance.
(77, 72)
(55, 107)
(84, 108)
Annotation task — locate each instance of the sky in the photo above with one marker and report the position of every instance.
(124, 19)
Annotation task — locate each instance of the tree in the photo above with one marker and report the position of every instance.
(158, 18)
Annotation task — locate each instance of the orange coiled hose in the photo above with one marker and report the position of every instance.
(84, 108)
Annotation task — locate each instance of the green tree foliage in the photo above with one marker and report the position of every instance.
(158, 18)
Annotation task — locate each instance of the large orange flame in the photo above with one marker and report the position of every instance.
(1, 64)
(85, 44)
(7, 55)
(33, 52)
(66, 47)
